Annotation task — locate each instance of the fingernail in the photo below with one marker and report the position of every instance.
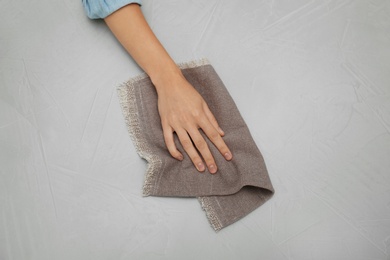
(180, 157)
(200, 167)
(212, 168)
(228, 156)
(220, 130)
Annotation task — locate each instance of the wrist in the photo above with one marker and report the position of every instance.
(167, 78)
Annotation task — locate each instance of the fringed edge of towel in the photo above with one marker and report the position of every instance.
(129, 107)
(193, 64)
(210, 213)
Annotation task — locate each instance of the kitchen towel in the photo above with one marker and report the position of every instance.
(240, 185)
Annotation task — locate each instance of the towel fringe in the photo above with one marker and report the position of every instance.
(210, 213)
(128, 104)
(193, 64)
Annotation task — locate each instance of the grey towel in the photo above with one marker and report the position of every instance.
(239, 186)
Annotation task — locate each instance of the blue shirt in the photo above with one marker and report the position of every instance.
(96, 9)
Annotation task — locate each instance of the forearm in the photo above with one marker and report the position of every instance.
(131, 29)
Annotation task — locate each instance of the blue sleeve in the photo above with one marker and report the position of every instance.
(96, 9)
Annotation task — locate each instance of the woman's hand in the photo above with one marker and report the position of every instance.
(183, 110)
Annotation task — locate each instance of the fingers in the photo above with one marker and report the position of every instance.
(216, 139)
(186, 123)
(169, 142)
(186, 142)
(203, 148)
(191, 136)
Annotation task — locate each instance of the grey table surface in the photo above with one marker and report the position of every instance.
(311, 79)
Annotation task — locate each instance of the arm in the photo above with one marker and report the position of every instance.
(182, 109)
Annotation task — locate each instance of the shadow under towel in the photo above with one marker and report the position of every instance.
(240, 185)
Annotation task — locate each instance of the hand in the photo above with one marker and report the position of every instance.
(183, 110)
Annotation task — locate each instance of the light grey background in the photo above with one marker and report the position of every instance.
(311, 79)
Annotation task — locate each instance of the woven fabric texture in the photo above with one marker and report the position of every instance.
(239, 187)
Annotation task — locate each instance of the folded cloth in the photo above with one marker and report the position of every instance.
(240, 185)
